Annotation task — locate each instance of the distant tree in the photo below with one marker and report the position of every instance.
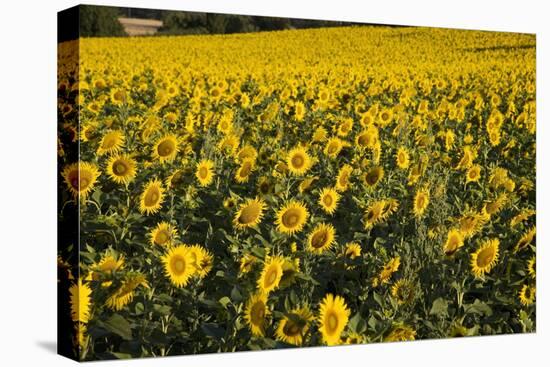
(100, 21)
(178, 22)
(216, 23)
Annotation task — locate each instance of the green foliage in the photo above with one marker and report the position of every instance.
(100, 21)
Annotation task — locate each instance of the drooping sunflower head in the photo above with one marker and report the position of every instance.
(292, 217)
(121, 169)
(293, 327)
(110, 262)
(111, 142)
(125, 293)
(373, 176)
(201, 259)
(471, 223)
(163, 234)
(205, 172)
(298, 161)
(256, 313)
(328, 199)
(421, 201)
(178, 265)
(249, 214)
(80, 299)
(403, 291)
(333, 318)
(527, 295)
(388, 269)
(343, 179)
(321, 238)
(247, 263)
(80, 178)
(526, 239)
(532, 267)
(378, 211)
(454, 241)
(271, 274)
(243, 172)
(166, 148)
(402, 158)
(400, 333)
(352, 250)
(485, 257)
(151, 197)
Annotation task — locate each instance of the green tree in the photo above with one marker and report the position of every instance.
(100, 21)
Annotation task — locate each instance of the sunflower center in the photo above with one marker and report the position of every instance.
(178, 265)
(298, 161)
(363, 140)
(420, 201)
(257, 313)
(485, 257)
(203, 172)
(120, 168)
(333, 148)
(270, 277)
(249, 214)
(372, 177)
(328, 200)
(166, 148)
(291, 217)
(319, 239)
(162, 237)
(332, 323)
(84, 182)
(152, 197)
(245, 169)
(291, 329)
(109, 143)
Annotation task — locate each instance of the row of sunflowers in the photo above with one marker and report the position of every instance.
(297, 188)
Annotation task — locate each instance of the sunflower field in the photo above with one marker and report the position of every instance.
(296, 188)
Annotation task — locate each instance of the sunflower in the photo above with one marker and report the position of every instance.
(373, 176)
(403, 291)
(379, 211)
(333, 318)
(178, 265)
(526, 239)
(532, 267)
(294, 325)
(292, 217)
(151, 197)
(244, 171)
(290, 269)
(527, 295)
(402, 158)
(80, 299)
(201, 260)
(125, 293)
(204, 172)
(111, 142)
(400, 333)
(474, 173)
(522, 216)
(388, 269)
(80, 178)
(321, 238)
(247, 152)
(421, 201)
(352, 250)
(246, 263)
(118, 96)
(385, 117)
(453, 243)
(328, 199)
(298, 161)
(109, 263)
(229, 144)
(471, 223)
(121, 169)
(163, 234)
(485, 257)
(495, 206)
(249, 214)
(256, 313)
(166, 148)
(271, 274)
(343, 179)
(333, 147)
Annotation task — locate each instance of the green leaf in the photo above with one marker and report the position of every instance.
(213, 330)
(118, 325)
(439, 307)
(479, 308)
(224, 301)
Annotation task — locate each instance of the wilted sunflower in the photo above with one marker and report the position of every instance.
(166, 148)
(121, 169)
(244, 171)
(328, 199)
(80, 299)
(343, 179)
(421, 201)
(125, 293)
(151, 197)
(321, 238)
(333, 318)
(485, 257)
(526, 239)
(204, 172)
(298, 161)
(255, 314)
(453, 243)
(294, 325)
(111, 142)
(400, 333)
(178, 265)
(373, 176)
(80, 178)
(402, 158)
(527, 295)
(271, 274)
(163, 234)
(292, 217)
(249, 214)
